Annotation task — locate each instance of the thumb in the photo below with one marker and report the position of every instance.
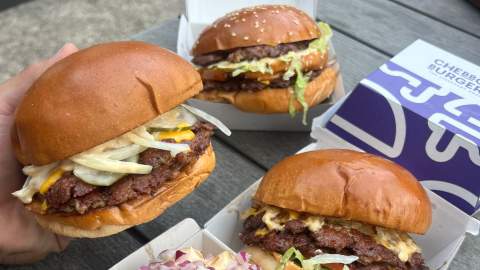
(13, 90)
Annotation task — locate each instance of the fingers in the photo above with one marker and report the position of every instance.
(22, 239)
(13, 90)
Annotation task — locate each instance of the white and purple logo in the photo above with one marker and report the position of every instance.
(432, 130)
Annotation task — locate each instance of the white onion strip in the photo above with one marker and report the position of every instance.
(110, 165)
(174, 148)
(209, 118)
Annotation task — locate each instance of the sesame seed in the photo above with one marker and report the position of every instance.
(264, 21)
(237, 21)
(256, 16)
(214, 26)
(256, 25)
(261, 30)
(226, 25)
(234, 34)
(296, 22)
(258, 40)
(277, 11)
(245, 37)
(243, 19)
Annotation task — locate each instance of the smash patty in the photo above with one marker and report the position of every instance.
(241, 83)
(328, 239)
(250, 53)
(71, 195)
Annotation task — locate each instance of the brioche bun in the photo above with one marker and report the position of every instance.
(111, 220)
(275, 100)
(98, 94)
(259, 25)
(349, 185)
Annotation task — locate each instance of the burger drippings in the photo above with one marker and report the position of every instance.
(276, 230)
(72, 195)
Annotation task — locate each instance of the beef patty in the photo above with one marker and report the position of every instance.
(71, 195)
(249, 53)
(240, 83)
(338, 240)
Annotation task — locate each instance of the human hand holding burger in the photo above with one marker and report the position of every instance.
(22, 240)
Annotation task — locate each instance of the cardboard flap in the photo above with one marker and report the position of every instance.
(172, 238)
(196, 9)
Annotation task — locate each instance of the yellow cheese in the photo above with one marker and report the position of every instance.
(52, 178)
(314, 223)
(249, 212)
(398, 242)
(44, 206)
(261, 232)
(178, 136)
(269, 218)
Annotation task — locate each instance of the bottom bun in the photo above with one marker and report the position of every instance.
(268, 260)
(275, 100)
(111, 220)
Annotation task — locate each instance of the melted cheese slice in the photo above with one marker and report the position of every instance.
(275, 218)
(178, 136)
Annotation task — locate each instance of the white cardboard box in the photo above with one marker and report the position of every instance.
(440, 244)
(201, 13)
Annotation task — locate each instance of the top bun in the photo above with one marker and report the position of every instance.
(349, 185)
(97, 94)
(259, 25)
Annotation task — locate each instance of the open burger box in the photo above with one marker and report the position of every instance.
(402, 74)
(201, 13)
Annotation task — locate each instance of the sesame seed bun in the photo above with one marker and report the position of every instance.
(259, 25)
(350, 185)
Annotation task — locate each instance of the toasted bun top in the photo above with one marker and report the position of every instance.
(259, 25)
(97, 94)
(350, 185)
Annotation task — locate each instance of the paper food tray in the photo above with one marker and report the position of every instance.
(196, 19)
(186, 233)
(439, 245)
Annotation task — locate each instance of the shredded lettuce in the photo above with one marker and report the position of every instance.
(316, 262)
(289, 255)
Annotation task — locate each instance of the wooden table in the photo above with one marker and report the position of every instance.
(367, 33)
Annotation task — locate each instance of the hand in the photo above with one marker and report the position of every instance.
(22, 240)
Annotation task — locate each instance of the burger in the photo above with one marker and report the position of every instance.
(106, 142)
(337, 210)
(265, 59)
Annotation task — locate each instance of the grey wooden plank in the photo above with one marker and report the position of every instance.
(232, 175)
(457, 13)
(93, 254)
(356, 61)
(391, 27)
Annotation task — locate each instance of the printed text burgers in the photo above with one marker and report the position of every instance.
(265, 59)
(106, 141)
(337, 210)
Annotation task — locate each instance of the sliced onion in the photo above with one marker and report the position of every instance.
(326, 259)
(95, 177)
(124, 152)
(33, 182)
(174, 148)
(209, 118)
(110, 165)
(173, 118)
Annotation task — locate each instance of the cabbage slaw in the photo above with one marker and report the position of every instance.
(192, 259)
(104, 164)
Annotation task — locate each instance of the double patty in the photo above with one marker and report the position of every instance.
(71, 195)
(250, 53)
(329, 239)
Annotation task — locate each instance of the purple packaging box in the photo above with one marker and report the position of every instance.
(421, 109)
